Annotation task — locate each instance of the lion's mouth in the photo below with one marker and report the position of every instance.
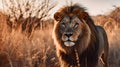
(69, 43)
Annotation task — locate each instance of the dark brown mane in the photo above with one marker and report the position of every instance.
(73, 9)
(70, 11)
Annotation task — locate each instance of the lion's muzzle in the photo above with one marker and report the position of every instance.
(68, 40)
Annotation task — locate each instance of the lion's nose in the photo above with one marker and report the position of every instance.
(68, 34)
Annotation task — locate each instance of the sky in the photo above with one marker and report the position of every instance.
(94, 7)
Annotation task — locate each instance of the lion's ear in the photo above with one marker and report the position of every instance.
(83, 15)
(58, 16)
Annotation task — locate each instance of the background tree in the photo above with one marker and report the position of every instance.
(27, 15)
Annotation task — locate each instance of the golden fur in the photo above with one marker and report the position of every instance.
(74, 31)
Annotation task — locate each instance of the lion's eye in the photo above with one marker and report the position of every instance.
(76, 25)
(63, 25)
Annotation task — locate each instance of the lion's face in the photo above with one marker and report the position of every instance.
(71, 30)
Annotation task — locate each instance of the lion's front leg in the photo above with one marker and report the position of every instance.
(66, 60)
(62, 56)
(91, 62)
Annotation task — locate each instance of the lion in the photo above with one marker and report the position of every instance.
(79, 42)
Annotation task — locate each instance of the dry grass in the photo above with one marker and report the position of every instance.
(39, 51)
(36, 51)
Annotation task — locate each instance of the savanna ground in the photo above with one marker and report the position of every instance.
(24, 48)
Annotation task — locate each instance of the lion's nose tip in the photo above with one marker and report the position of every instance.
(68, 34)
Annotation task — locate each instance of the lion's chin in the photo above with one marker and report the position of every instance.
(69, 43)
